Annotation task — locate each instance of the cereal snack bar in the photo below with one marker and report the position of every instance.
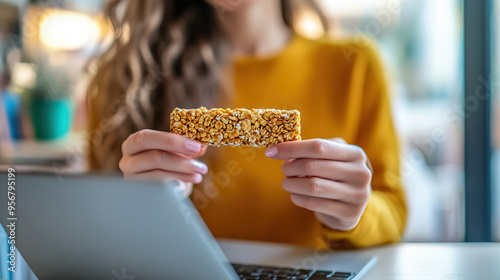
(236, 127)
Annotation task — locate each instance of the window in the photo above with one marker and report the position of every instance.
(495, 117)
(421, 45)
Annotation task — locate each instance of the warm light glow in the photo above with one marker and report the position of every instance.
(23, 76)
(309, 25)
(67, 30)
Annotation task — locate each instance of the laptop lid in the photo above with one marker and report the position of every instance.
(104, 228)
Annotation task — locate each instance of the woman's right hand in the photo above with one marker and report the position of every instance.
(150, 154)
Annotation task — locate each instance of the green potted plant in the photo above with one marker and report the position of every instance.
(50, 103)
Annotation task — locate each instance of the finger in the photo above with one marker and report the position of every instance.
(328, 169)
(321, 188)
(356, 173)
(202, 151)
(369, 165)
(165, 175)
(315, 148)
(342, 211)
(159, 140)
(342, 141)
(161, 160)
(338, 140)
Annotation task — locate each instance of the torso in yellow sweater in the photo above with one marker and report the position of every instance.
(341, 91)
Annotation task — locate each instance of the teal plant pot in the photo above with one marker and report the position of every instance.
(51, 119)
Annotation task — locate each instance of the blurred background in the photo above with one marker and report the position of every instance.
(44, 47)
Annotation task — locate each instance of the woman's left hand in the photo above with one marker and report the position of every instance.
(328, 177)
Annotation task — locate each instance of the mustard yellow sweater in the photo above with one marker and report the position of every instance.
(341, 91)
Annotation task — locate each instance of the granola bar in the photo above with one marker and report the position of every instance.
(236, 127)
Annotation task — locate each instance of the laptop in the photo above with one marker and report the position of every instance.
(94, 227)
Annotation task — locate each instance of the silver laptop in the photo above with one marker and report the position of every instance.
(93, 227)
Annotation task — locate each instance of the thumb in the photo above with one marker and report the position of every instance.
(342, 141)
(338, 140)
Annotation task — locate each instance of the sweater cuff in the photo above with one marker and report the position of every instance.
(343, 239)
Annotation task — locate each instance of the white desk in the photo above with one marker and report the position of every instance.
(66, 155)
(437, 261)
(406, 261)
(403, 261)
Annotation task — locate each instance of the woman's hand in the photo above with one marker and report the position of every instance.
(328, 177)
(150, 154)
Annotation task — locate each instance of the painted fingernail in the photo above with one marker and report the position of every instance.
(193, 146)
(198, 178)
(200, 167)
(271, 152)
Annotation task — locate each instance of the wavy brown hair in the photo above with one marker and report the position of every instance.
(165, 54)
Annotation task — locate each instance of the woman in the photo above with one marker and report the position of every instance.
(317, 192)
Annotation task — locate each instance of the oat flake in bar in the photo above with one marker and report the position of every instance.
(236, 127)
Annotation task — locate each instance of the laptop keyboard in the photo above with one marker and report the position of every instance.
(257, 272)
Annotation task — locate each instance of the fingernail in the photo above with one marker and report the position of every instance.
(200, 167)
(193, 146)
(198, 178)
(271, 152)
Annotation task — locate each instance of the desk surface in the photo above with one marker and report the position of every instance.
(403, 261)
(436, 261)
